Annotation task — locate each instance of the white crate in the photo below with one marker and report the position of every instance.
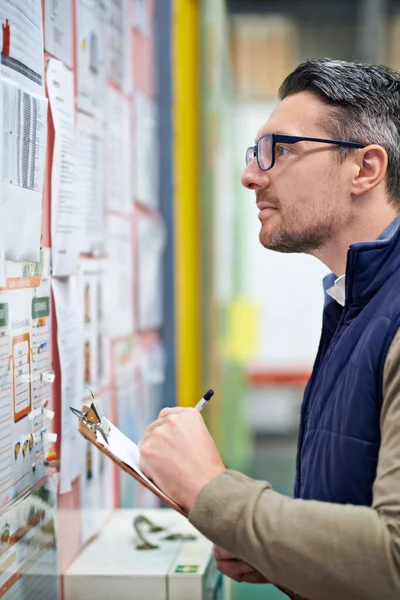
(111, 566)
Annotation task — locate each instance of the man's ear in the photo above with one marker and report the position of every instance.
(372, 164)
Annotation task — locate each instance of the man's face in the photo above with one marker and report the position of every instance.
(304, 199)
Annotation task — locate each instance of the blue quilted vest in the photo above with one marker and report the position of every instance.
(339, 434)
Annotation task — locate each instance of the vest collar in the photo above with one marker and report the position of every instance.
(369, 265)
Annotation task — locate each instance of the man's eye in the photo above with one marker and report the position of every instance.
(280, 150)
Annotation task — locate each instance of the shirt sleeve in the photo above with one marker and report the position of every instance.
(320, 550)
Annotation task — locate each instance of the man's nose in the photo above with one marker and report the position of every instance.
(253, 178)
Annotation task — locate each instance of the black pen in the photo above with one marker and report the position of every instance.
(203, 401)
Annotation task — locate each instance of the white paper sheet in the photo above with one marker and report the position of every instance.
(146, 154)
(129, 397)
(3, 269)
(70, 335)
(133, 145)
(118, 44)
(91, 197)
(25, 353)
(103, 374)
(128, 452)
(142, 17)
(151, 243)
(6, 438)
(58, 29)
(153, 359)
(3, 275)
(22, 57)
(119, 277)
(24, 155)
(65, 208)
(131, 13)
(91, 17)
(91, 305)
(118, 154)
(129, 389)
(41, 355)
(97, 490)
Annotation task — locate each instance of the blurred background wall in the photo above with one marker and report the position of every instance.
(261, 311)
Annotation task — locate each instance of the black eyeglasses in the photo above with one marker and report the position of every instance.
(264, 150)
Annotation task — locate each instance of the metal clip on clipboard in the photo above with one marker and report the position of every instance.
(118, 447)
(92, 417)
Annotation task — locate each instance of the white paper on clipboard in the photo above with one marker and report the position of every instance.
(127, 452)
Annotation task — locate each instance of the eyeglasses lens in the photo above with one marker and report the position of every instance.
(249, 155)
(265, 153)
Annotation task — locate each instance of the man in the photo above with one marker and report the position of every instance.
(335, 196)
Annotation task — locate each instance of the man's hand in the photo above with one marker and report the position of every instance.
(178, 453)
(235, 568)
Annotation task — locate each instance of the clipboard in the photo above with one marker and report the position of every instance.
(98, 430)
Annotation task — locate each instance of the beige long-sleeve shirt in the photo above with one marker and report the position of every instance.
(322, 551)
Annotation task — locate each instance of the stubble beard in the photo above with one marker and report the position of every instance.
(297, 237)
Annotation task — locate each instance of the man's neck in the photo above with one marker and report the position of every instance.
(334, 253)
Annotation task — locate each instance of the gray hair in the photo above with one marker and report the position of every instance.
(364, 106)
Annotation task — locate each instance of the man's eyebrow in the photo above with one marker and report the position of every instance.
(286, 133)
